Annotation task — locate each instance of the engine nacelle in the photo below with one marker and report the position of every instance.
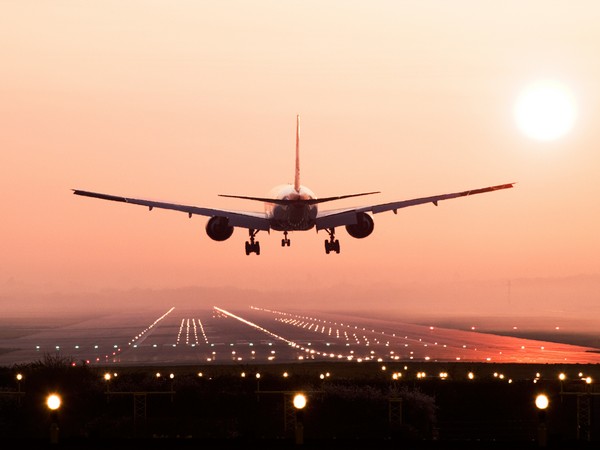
(362, 228)
(218, 228)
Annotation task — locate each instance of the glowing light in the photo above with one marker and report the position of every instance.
(19, 376)
(471, 376)
(545, 111)
(107, 376)
(541, 401)
(53, 402)
(562, 377)
(299, 401)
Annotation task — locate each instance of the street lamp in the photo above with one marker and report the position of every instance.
(19, 379)
(299, 403)
(53, 402)
(542, 402)
(107, 377)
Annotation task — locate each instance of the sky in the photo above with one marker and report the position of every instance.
(182, 101)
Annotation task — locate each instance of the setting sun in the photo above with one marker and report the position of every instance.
(545, 111)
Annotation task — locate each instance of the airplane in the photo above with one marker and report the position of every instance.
(292, 207)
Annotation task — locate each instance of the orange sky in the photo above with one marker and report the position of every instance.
(181, 101)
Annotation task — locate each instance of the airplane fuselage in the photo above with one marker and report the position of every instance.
(291, 217)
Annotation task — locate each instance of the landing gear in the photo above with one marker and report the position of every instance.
(285, 241)
(252, 246)
(332, 245)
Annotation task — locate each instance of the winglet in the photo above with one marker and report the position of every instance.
(297, 175)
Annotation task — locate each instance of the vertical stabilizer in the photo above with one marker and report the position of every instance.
(297, 175)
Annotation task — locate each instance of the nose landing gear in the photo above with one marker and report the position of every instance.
(332, 244)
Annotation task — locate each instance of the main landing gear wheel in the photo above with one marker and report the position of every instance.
(332, 244)
(285, 241)
(252, 246)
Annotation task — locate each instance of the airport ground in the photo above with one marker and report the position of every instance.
(431, 406)
(224, 378)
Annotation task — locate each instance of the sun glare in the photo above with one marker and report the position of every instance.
(545, 111)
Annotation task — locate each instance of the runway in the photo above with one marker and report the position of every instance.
(219, 335)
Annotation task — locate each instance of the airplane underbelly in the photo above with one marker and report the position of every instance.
(293, 218)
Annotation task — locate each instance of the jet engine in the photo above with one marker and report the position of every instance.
(362, 228)
(218, 228)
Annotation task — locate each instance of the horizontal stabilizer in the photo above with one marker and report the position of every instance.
(308, 201)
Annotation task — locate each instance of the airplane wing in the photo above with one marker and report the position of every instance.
(348, 216)
(243, 219)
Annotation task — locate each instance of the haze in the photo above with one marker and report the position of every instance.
(182, 101)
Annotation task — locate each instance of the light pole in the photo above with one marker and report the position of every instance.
(53, 402)
(299, 402)
(107, 377)
(172, 377)
(541, 403)
(19, 379)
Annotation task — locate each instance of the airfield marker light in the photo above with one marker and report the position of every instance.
(588, 380)
(171, 375)
(471, 376)
(157, 374)
(562, 377)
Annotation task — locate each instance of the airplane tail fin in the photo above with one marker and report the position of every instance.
(297, 174)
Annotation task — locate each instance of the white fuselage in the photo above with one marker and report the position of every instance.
(291, 217)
